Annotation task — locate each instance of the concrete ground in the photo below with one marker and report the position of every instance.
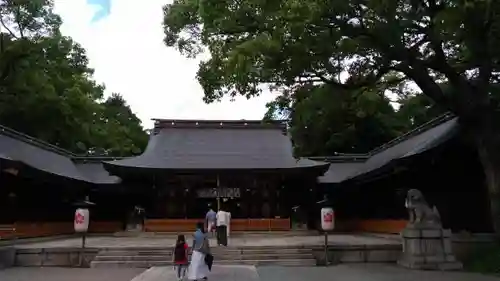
(363, 272)
(111, 242)
(68, 274)
(345, 272)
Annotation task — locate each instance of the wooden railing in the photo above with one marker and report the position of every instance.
(43, 229)
(375, 226)
(184, 225)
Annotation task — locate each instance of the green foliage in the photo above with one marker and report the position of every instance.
(286, 43)
(355, 46)
(47, 91)
(324, 120)
(122, 132)
(416, 110)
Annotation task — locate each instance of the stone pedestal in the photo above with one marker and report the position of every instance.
(133, 227)
(428, 248)
(7, 257)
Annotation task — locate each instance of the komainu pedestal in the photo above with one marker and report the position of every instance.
(426, 245)
(428, 248)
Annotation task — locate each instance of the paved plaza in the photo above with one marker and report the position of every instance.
(159, 241)
(68, 274)
(344, 272)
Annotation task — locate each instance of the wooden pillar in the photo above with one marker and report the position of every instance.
(218, 198)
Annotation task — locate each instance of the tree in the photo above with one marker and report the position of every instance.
(416, 110)
(325, 121)
(122, 133)
(46, 86)
(286, 43)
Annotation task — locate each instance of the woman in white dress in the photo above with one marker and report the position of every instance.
(198, 268)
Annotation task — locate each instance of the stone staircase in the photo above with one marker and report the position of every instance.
(246, 234)
(148, 257)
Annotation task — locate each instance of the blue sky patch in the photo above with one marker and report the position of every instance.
(103, 11)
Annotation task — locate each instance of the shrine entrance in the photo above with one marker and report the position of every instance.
(228, 199)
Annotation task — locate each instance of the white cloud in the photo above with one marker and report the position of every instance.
(128, 55)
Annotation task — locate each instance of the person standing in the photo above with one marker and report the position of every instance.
(222, 223)
(180, 257)
(198, 268)
(211, 220)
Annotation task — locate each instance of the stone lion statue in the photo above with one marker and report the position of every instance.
(419, 210)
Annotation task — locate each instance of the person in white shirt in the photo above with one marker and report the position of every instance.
(223, 219)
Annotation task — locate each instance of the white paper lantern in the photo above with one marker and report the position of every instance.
(81, 220)
(327, 219)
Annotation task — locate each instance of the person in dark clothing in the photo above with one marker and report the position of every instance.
(223, 219)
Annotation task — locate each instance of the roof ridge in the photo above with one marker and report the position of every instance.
(163, 124)
(35, 141)
(418, 130)
(93, 159)
(342, 157)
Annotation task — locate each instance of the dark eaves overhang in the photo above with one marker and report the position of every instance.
(341, 166)
(92, 168)
(302, 165)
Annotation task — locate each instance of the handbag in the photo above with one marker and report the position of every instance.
(209, 261)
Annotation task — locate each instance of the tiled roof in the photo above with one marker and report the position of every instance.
(18, 147)
(186, 144)
(341, 166)
(95, 172)
(217, 145)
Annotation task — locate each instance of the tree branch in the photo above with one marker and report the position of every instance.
(5, 26)
(18, 21)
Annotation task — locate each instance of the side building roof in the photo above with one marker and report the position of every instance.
(16, 147)
(217, 145)
(419, 140)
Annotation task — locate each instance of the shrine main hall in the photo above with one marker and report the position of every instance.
(245, 167)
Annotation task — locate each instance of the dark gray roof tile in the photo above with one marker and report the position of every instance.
(96, 173)
(39, 158)
(217, 148)
(419, 140)
(343, 167)
(340, 171)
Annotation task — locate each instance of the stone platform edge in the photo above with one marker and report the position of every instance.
(70, 256)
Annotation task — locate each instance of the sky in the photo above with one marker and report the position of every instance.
(124, 44)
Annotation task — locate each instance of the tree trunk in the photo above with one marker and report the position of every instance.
(488, 144)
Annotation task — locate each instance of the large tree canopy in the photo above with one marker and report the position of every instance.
(326, 121)
(354, 44)
(47, 91)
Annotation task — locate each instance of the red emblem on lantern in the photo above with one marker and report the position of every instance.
(328, 217)
(79, 218)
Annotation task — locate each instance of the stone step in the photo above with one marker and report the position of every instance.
(215, 251)
(147, 264)
(173, 235)
(215, 248)
(287, 256)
